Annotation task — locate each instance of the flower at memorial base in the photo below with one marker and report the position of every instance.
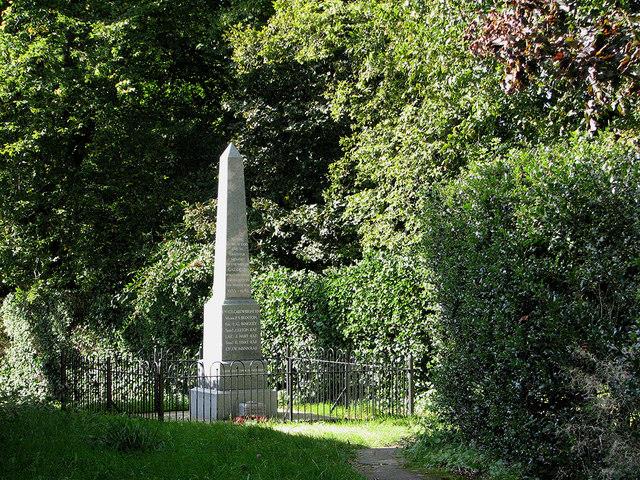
(239, 420)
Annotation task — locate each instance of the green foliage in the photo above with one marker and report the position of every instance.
(109, 115)
(380, 308)
(283, 124)
(4, 340)
(420, 107)
(112, 114)
(439, 448)
(385, 307)
(36, 323)
(606, 434)
(40, 325)
(370, 128)
(294, 312)
(164, 301)
(536, 256)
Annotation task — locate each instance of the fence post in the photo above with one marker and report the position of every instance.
(410, 393)
(346, 387)
(159, 389)
(289, 384)
(63, 380)
(109, 385)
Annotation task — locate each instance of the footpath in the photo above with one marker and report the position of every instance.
(387, 464)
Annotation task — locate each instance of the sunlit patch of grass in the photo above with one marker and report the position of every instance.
(373, 433)
(362, 411)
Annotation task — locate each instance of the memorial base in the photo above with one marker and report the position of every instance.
(213, 404)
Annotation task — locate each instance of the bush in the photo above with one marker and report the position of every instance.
(535, 256)
(294, 312)
(384, 306)
(605, 433)
(439, 447)
(165, 299)
(128, 435)
(381, 307)
(37, 323)
(40, 324)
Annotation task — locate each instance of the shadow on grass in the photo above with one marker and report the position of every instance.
(44, 443)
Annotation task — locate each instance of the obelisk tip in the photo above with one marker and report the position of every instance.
(231, 151)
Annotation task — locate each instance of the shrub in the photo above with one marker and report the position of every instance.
(165, 299)
(381, 307)
(605, 433)
(37, 323)
(384, 306)
(128, 435)
(294, 312)
(535, 256)
(437, 446)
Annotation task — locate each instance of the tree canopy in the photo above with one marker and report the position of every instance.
(455, 179)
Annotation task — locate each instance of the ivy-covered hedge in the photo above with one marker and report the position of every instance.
(294, 312)
(41, 324)
(36, 323)
(536, 257)
(384, 306)
(380, 308)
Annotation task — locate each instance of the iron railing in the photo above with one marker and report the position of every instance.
(166, 387)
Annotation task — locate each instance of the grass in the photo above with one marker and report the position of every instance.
(438, 448)
(374, 433)
(319, 410)
(354, 410)
(44, 443)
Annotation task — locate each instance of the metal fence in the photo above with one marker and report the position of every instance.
(333, 386)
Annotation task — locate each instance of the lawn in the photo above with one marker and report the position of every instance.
(43, 443)
(374, 433)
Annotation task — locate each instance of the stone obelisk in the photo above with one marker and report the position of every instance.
(231, 316)
(232, 378)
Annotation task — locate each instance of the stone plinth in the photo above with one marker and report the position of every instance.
(213, 404)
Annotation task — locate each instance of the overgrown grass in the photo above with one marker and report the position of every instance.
(439, 448)
(124, 435)
(43, 443)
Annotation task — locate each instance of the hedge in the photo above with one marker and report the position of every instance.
(536, 259)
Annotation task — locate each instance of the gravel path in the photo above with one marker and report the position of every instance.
(387, 464)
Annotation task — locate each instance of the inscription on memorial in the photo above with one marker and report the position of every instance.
(241, 331)
(238, 279)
